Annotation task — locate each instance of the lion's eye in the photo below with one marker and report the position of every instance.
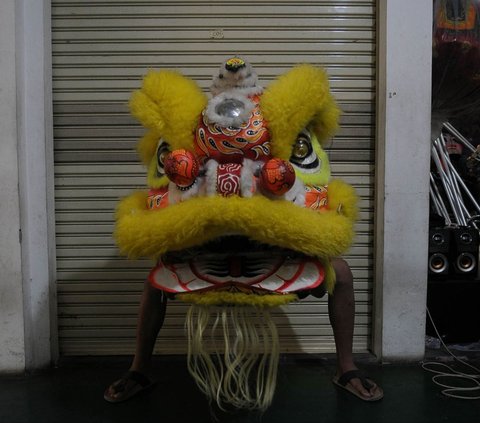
(163, 150)
(302, 148)
(303, 154)
(161, 158)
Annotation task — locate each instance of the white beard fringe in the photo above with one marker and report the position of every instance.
(242, 373)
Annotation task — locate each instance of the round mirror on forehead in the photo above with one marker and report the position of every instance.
(230, 107)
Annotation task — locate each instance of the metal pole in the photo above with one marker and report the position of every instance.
(438, 201)
(443, 179)
(439, 198)
(436, 204)
(464, 186)
(458, 178)
(457, 195)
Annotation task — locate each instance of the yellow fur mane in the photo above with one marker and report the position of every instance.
(169, 104)
(151, 233)
(297, 99)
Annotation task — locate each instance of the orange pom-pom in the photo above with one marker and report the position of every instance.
(181, 167)
(277, 176)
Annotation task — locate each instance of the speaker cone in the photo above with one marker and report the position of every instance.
(466, 262)
(438, 263)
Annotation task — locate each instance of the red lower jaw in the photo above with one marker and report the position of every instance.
(258, 271)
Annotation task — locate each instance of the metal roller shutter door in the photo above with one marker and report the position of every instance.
(101, 49)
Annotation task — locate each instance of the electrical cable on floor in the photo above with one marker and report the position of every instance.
(454, 391)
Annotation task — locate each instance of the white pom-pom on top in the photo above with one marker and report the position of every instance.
(235, 73)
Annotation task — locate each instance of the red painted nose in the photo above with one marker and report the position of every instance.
(277, 176)
(181, 166)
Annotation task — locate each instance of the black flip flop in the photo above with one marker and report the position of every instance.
(141, 383)
(343, 382)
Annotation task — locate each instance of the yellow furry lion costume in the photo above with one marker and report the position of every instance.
(241, 214)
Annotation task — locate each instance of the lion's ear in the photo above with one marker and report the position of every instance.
(169, 104)
(298, 99)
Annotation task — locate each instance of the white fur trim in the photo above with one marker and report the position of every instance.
(257, 90)
(211, 178)
(247, 178)
(296, 194)
(177, 195)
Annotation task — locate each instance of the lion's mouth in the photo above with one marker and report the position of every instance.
(237, 263)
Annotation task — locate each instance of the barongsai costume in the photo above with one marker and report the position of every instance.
(241, 214)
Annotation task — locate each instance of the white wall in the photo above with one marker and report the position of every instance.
(35, 153)
(27, 284)
(403, 163)
(12, 348)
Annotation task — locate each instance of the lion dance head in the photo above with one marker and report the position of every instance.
(241, 214)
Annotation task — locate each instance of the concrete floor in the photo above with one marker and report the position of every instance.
(73, 392)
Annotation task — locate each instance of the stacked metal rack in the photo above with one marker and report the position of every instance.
(453, 260)
(454, 246)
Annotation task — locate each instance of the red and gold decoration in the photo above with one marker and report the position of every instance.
(229, 144)
(228, 179)
(316, 198)
(181, 167)
(277, 176)
(157, 198)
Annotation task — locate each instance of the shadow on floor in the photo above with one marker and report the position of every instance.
(73, 392)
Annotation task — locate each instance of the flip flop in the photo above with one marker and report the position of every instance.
(343, 382)
(129, 385)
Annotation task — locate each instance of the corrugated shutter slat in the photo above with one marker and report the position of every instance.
(101, 50)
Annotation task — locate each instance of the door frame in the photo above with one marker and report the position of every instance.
(403, 95)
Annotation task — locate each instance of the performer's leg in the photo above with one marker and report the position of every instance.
(153, 305)
(341, 309)
(150, 320)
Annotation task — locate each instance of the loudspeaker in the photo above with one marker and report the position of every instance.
(464, 251)
(439, 251)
